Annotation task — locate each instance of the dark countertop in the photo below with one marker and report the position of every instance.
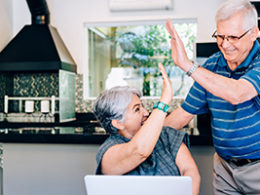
(83, 131)
(68, 135)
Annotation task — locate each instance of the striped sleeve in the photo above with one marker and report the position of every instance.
(253, 76)
(196, 102)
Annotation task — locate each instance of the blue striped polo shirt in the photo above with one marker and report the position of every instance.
(235, 128)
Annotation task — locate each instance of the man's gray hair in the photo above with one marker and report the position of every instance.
(112, 104)
(231, 7)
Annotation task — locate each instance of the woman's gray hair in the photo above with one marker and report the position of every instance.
(112, 104)
(231, 7)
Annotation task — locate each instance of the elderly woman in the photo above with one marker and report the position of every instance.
(138, 143)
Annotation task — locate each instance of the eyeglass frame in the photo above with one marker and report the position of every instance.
(223, 37)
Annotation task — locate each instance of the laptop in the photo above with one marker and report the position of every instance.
(135, 185)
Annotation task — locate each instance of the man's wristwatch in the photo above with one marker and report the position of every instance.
(193, 68)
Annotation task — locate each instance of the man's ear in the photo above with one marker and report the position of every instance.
(117, 124)
(255, 32)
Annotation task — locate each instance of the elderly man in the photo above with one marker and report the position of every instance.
(227, 86)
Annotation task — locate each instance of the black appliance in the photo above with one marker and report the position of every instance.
(36, 63)
(37, 47)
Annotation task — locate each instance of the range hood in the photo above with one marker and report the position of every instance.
(37, 47)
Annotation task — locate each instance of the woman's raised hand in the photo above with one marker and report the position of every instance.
(167, 91)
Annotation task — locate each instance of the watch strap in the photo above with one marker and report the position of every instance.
(161, 106)
(193, 68)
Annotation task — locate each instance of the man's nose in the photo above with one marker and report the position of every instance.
(225, 42)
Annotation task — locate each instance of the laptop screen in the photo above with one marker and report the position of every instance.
(135, 185)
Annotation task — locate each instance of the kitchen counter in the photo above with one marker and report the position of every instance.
(68, 135)
(85, 130)
(51, 133)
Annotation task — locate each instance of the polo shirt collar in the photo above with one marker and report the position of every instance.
(247, 61)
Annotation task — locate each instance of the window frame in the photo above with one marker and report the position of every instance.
(124, 22)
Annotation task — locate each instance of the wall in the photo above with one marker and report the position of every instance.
(1, 169)
(69, 17)
(53, 169)
(57, 169)
(5, 22)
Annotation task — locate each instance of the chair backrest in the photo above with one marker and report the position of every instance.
(135, 185)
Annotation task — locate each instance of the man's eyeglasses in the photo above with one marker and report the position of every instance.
(230, 38)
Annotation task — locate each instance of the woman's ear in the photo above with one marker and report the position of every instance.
(117, 124)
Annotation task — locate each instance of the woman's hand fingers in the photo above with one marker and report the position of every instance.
(162, 69)
(164, 74)
(167, 91)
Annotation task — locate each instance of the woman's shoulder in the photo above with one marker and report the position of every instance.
(109, 142)
(172, 135)
(172, 131)
(113, 140)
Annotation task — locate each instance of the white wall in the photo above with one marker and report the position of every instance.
(69, 16)
(47, 169)
(5, 22)
(58, 169)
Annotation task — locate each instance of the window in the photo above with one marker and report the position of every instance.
(128, 54)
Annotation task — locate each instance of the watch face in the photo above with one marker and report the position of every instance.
(160, 105)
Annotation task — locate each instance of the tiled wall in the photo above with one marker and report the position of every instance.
(47, 84)
(87, 105)
(3, 90)
(32, 85)
(36, 85)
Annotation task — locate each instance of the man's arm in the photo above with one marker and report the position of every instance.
(178, 119)
(231, 90)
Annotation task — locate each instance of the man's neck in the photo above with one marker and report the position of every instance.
(232, 66)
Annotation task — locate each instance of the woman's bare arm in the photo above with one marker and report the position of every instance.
(188, 167)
